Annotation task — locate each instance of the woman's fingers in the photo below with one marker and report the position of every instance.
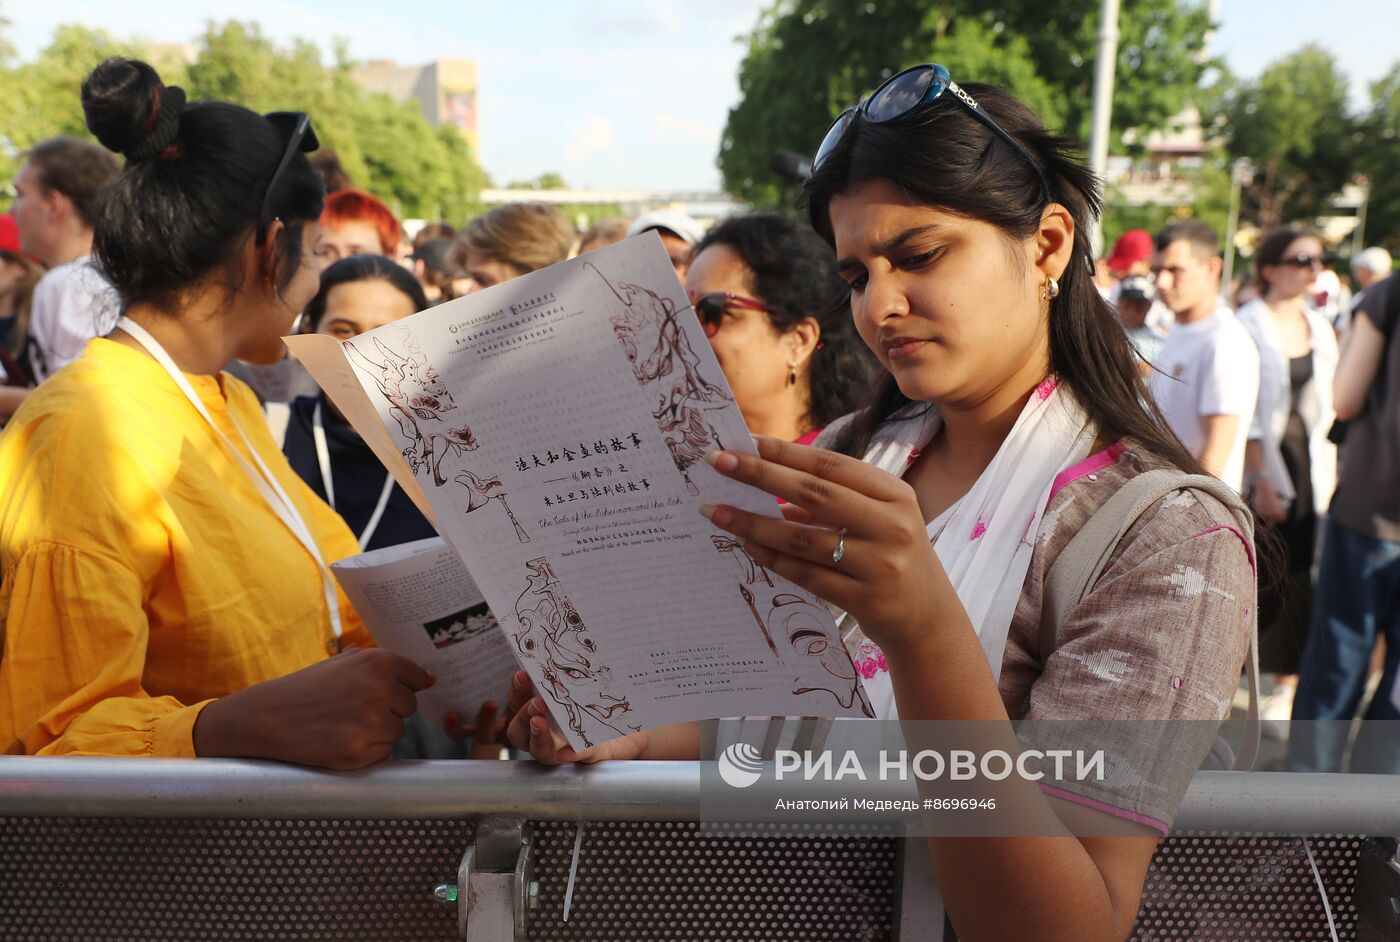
(520, 692)
(531, 730)
(802, 515)
(817, 545)
(546, 744)
(824, 484)
(832, 467)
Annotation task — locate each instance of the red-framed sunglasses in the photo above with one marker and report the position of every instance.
(710, 307)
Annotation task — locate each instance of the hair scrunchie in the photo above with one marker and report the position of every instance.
(163, 126)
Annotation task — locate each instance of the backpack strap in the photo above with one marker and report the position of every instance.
(1077, 568)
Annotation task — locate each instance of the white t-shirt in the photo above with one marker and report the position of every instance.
(72, 304)
(1208, 367)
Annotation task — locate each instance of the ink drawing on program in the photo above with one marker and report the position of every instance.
(553, 428)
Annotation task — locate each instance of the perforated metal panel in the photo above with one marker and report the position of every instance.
(144, 880)
(1247, 889)
(672, 881)
(191, 880)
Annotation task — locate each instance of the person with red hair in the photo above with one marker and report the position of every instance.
(355, 223)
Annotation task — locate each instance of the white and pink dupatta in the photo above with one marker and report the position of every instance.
(985, 540)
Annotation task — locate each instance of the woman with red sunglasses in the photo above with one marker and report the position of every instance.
(764, 287)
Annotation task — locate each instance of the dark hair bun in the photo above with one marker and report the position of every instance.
(130, 110)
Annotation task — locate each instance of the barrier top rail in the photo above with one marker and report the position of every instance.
(1262, 802)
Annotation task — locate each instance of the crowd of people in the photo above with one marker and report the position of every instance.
(1271, 396)
(934, 342)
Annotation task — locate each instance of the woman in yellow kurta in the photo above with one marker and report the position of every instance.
(164, 584)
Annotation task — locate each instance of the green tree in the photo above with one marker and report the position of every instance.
(387, 147)
(807, 60)
(545, 181)
(40, 99)
(1209, 186)
(1160, 60)
(1380, 161)
(1292, 124)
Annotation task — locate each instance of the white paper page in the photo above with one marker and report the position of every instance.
(322, 357)
(419, 601)
(558, 423)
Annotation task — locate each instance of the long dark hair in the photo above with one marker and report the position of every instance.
(946, 158)
(795, 272)
(361, 268)
(193, 187)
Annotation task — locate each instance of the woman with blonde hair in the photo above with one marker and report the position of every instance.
(514, 240)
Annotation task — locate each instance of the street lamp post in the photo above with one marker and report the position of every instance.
(1240, 171)
(1103, 101)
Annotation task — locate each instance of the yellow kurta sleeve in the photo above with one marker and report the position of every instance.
(74, 653)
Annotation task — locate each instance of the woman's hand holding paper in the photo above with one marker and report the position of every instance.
(531, 729)
(852, 534)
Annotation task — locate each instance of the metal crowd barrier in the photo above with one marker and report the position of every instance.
(156, 850)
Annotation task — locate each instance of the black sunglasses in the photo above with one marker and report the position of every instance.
(1305, 261)
(907, 92)
(295, 126)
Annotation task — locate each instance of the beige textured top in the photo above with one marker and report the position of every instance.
(1163, 635)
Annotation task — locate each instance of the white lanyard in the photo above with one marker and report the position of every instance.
(323, 459)
(262, 477)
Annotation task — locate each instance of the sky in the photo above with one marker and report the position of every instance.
(627, 93)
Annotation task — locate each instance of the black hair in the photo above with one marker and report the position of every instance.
(361, 268)
(795, 272)
(193, 186)
(944, 157)
(1199, 235)
(1272, 247)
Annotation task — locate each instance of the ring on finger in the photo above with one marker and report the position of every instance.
(839, 553)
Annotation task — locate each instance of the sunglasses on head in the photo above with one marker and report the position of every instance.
(906, 93)
(1304, 261)
(710, 308)
(295, 127)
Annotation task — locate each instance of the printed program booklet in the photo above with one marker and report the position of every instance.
(553, 428)
(418, 600)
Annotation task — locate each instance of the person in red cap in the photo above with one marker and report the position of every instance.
(18, 276)
(1132, 254)
(1131, 259)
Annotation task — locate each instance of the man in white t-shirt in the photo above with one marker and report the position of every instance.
(1207, 377)
(57, 196)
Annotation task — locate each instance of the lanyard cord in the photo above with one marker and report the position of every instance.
(261, 476)
(323, 460)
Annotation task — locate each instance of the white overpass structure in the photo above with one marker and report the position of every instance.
(704, 206)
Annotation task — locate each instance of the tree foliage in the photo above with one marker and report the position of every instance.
(1292, 124)
(809, 59)
(1379, 160)
(39, 99)
(387, 147)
